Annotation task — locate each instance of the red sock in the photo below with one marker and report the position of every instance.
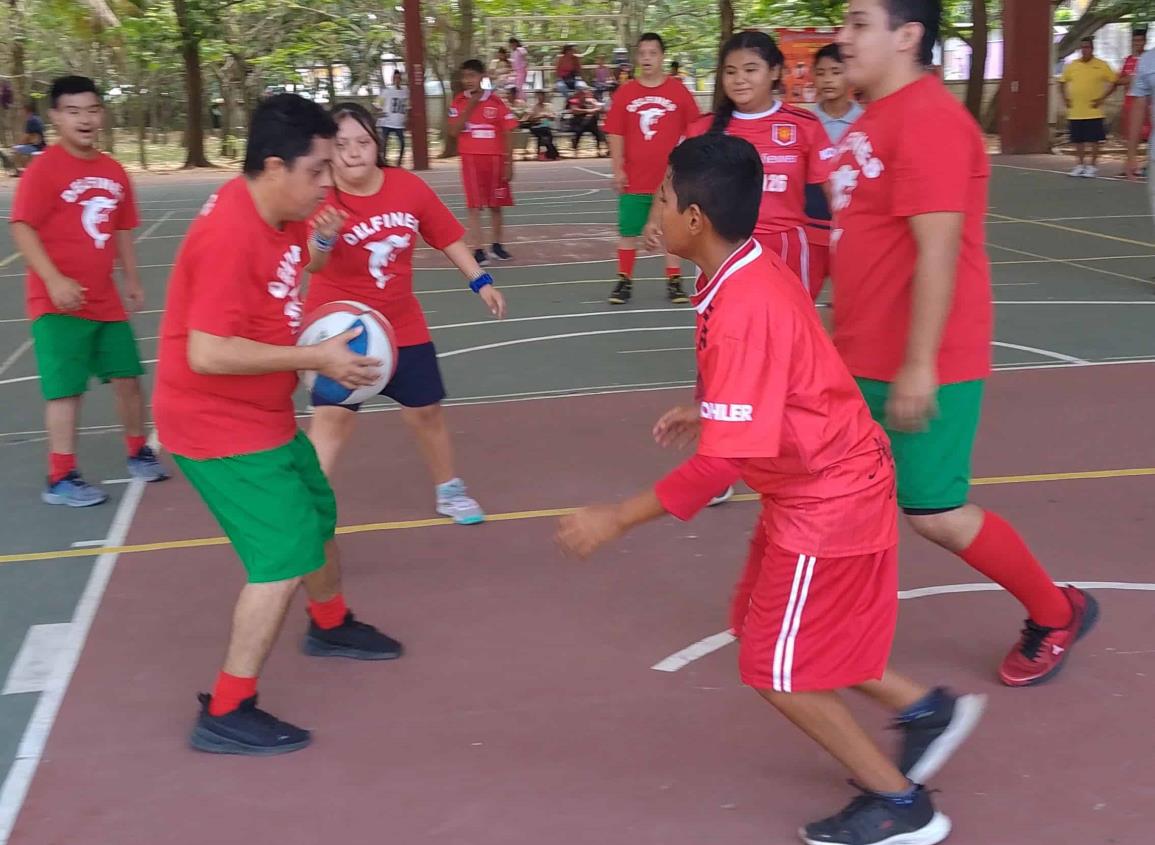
(626, 258)
(673, 272)
(59, 465)
(229, 692)
(999, 553)
(328, 614)
(135, 443)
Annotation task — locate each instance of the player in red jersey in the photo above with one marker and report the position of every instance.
(224, 409)
(913, 313)
(816, 608)
(483, 126)
(72, 220)
(791, 141)
(382, 210)
(648, 117)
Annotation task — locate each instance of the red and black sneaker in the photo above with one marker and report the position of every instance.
(1040, 654)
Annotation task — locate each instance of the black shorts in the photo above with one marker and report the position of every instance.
(416, 382)
(1089, 131)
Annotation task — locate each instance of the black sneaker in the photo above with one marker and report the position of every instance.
(350, 639)
(873, 819)
(931, 737)
(246, 730)
(675, 293)
(499, 252)
(623, 290)
(480, 257)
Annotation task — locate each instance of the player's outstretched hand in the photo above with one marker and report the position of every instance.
(329, 221)
(343, 365)
(588, 529)
(911, 404)
(493, 300)
(66, 294)
(678, 428)
(652, 236)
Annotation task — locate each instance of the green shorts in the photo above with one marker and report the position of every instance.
(71, 350)
(934, 466)
(633, 212)
(276, 507)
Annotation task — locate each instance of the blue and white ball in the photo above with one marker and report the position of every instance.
(377, 340)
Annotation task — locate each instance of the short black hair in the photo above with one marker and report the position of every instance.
(65, 85)
(1086, 39)
(652, 36)
(284, 126)
(722, 175)
(473, 64)
(830, 51)
(928, 13)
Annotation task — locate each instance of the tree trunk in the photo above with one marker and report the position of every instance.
(726, 12)
(990, 121)
(190, 50)
(142, 102)
(330, 84)
(977, 78)
(19, 83)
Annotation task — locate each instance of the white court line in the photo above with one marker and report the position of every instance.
(708, 645)
(15, 356)
(1067, 260)
(687, 311)
(31, 748)
(663, 349)
(20, 379)
(1065, 173)
(89, 544)
(147, 233)
(1046, 353)
(38, 653)
(520, 341)
(1071, 263)
(594, 172)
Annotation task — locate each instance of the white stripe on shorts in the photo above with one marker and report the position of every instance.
(791, 620)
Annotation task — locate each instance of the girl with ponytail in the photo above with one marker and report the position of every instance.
(794, 147)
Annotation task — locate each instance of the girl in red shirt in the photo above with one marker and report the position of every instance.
(371, 261)
(795, 150)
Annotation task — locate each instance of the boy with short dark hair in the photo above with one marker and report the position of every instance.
(72, 220)
(815, 611)
(484, 126)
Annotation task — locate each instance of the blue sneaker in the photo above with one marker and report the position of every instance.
(455, 504)
(74, 491)
(144, 465)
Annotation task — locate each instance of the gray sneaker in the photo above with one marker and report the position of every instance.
(453, 502)
(145, 466)
(73, 491)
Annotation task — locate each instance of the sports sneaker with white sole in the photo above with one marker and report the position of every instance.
(453, 502)
(932, 736)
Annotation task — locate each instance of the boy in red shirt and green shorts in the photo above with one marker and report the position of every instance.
(224, 409)
(483, 126)
(913, 312)
(647, 119)
(72, 220)
(815, 611)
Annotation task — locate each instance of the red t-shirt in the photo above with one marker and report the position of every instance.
(485, 132)
(235, 276)
(795, 153)
(651, 122)
(776, 397)
(373, 259)
(75, 205)
(917, 151)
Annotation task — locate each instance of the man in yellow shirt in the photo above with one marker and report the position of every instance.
(1086, 83)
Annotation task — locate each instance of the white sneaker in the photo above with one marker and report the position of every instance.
(1077, 170)
(722, 497)
(453, 502)
(1090, 171)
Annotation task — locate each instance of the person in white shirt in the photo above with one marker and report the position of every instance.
(394, 112)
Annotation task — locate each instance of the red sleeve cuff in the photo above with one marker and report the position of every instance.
(690, 487)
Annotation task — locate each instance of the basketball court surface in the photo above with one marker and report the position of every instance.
(547, 702)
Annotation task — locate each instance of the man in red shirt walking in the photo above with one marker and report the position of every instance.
(72, 220)
(648, 117)
(913, 312)
(483, 126)
(815, 611)
(224, 409)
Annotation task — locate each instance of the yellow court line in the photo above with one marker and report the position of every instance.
(370, 527)
(1063, 228)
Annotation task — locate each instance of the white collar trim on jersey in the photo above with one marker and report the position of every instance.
(729, 268)
(737, 115)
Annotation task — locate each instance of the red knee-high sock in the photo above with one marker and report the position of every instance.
(59, 465)
(999, 553)
(134, 442)
(673, 272)
(229, 692)
(328, 614)
(626, 258)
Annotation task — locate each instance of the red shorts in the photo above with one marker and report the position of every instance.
(806, 624)
(792, 247)
(484, 179)
(819, 268)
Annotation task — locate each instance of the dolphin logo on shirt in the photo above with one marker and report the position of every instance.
(96, 211)
(648, 119)
(382, 254)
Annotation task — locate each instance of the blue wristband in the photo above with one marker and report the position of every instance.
(481, 281)
(324, 244)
